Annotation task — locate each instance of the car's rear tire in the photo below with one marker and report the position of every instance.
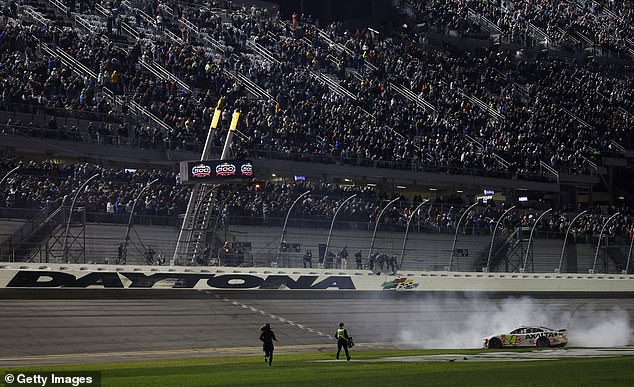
(495, 343)
(543, 342)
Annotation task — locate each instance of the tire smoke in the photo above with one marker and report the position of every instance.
(474, 319)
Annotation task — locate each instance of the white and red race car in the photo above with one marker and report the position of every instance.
(528, 336)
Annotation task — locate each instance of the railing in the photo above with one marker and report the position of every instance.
(141, 111)
(549, 169)
(262, 51)
(484, 22)
(617, 146)
(411, 96)
(33, 112)
(59, 5)
(419, 225)
(482, 105)
(332, 85)
(499, 159)
(424, 165)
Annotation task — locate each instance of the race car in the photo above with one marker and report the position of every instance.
(528, 336)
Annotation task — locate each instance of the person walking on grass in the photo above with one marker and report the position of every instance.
(342, 341)
(267, 336)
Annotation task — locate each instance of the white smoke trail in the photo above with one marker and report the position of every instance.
(474, 319)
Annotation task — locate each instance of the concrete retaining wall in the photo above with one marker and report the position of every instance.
(138, 277)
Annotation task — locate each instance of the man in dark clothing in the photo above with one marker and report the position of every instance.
(308, 259)
(267, 336)
(358, 259)
(342, 341)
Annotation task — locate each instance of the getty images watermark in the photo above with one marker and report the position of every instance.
(53, 379)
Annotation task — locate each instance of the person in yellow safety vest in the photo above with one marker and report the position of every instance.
(342, 341)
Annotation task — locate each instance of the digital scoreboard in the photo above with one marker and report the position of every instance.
(216, 171)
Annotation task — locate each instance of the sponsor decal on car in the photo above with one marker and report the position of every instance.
(400, 283)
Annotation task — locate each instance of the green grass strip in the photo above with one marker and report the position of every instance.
(305, 370)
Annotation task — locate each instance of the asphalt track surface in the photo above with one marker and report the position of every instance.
(40, 327)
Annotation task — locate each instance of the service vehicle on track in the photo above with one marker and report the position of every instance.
(528, 336)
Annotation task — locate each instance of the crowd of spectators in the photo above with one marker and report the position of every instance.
(484, 111)
(576, 24)
(43, 185)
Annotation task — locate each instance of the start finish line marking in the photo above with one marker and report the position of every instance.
(283, 320)
(272, 316)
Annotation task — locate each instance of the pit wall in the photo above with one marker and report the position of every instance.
(178, 278)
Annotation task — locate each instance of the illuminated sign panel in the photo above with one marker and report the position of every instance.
(216, 171)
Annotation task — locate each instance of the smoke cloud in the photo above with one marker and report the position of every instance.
(588, 325)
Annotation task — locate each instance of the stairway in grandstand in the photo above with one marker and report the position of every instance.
(197, 222)
(28, 239)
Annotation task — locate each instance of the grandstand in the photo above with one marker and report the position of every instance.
(524, 108)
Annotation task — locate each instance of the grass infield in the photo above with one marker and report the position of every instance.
(303, 370)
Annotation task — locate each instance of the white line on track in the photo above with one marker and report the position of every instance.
(270, 315)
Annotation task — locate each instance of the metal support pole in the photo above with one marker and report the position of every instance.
(376, 226)
(455, 237)
(127, 231)
(196, 189)
(70, 215)
(563, 249)
(629, 255)
(333, 223)
(279, 250)
(530, 238)
(407, 230)
(493, 237)
(596, 254)
(9, 173)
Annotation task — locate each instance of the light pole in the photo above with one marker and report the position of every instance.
(629, 254)
(279, 250)
(409, 220)
(127, 231)
(333, 223)
(455, 237)
(376, 226)
(493, 237)
(9, 173)
(530, 238)
(563, 249)
(596, 254)
(70, 215)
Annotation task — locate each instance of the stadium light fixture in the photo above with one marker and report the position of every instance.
(9, 173)
(279, 251)
(596, 254)
(409, 220)
(333, 223)
(433, 189)
(493, 237)
(455, 237)
(376, 226)
(70, 215)
(563, 249)
(530, 238)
